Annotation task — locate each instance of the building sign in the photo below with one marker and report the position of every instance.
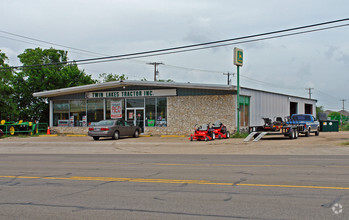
(132, 93)
(238, 56)
(116, 110)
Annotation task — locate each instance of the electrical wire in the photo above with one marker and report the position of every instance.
(183, 48)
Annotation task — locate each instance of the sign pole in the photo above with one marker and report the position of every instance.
(238, 99)
(238, 61)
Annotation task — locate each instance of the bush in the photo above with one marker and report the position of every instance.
(240, 135)
(345, 127)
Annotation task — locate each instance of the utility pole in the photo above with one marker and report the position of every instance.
(343, 100)
(155, 64)
(228, 74)
(309, 91)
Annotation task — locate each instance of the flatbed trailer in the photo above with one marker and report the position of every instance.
(289, 130)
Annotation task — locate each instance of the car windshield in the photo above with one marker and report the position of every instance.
(301, 117)
(105, 123)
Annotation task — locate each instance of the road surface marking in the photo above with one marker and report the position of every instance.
(142, 180)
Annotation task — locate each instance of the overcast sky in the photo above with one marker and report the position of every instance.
(318, 60)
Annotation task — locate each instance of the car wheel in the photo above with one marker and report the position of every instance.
(317, 132)
(136, 134)
(96, 138)
(307, 133)
(115, 135)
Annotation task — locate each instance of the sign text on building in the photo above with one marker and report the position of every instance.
(132, 93)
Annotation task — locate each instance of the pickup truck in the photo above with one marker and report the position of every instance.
(307, 121)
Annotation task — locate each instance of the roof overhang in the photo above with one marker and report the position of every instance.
(116, 84)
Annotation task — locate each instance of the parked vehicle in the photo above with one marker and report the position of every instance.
(291, 127)
(114, 129)
(203, 133)
(220, 130)
(307, 121)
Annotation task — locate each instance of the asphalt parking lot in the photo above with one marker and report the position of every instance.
(328, 143)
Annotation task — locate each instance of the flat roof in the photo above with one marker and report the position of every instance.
(116, 84)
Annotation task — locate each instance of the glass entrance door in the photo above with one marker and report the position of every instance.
(135, 117)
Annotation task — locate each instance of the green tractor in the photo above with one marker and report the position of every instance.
(29, 128)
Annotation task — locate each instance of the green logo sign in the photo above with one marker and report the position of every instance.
(238, 56)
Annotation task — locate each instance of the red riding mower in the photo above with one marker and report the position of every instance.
(203, 133)
(220, 130)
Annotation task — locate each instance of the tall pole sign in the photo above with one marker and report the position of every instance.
(238, 61)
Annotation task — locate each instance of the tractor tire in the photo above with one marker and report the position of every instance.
(206, 138)
(219, 136)
(213, 136)
(191, 138)
(227, 134)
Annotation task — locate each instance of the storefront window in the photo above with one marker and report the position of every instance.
(78, 111)
(150, 113)
(95, 111)
(161, 112)
(119, 109)
(60, 113)
(135, 103)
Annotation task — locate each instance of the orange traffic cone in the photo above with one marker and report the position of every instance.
(48, 130)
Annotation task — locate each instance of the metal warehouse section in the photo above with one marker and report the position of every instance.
(265, 104)
(167, 107)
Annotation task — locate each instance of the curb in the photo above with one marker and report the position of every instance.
(48, 135)
(172, 136)
(76, 135)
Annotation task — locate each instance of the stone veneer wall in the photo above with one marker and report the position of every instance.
(183, 112)
(70, 130)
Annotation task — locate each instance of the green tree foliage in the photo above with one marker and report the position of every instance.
(319, 109)
(104, 77)
(38, 77)
(7, 105)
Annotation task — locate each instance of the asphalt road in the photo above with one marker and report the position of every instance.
(148, 186)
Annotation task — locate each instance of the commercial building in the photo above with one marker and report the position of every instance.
(166, 107)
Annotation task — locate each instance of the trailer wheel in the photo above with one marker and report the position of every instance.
(296, 134)
(291, 134)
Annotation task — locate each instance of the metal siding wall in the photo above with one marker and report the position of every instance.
(266, 105)
(271, 105)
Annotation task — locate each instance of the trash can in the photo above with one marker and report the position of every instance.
(329, 125)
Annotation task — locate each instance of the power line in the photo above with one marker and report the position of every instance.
(184, 48)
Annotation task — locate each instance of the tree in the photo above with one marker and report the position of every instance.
(8, 107)
(41, 77)
(319, 109)
(111, 77)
